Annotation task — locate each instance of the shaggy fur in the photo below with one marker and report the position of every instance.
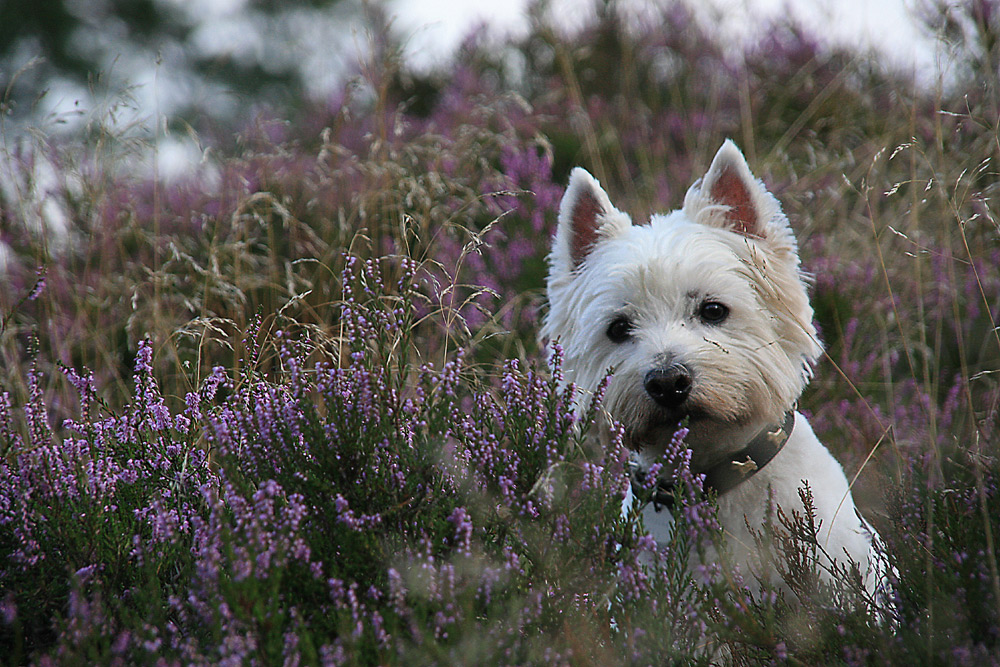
(632, 298)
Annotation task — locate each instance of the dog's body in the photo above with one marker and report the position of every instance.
(703, 314)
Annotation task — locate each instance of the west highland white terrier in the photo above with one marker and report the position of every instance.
(703, 314)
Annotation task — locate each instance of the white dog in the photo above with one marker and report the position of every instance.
(703, 314)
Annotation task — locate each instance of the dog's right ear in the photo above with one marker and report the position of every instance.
(586, 216)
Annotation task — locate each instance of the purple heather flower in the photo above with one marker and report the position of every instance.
(780, 651)
(460, 519)
(39, 286)
(8, 609)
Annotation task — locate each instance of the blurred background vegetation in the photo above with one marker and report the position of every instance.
(888, 181)
(207, 63)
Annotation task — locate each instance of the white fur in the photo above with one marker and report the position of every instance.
(746, 372)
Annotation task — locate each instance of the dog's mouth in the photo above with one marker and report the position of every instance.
(660, 427)
(639, 439)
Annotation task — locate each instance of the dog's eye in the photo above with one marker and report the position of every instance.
(713, 312)
(620, 329)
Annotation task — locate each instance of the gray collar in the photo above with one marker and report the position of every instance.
(735, 470)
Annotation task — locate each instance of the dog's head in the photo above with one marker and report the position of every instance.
(702, 313)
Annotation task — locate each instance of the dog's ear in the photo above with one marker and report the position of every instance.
(729, 196)
(586, 215)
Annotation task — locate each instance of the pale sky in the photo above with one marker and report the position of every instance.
(435, 27)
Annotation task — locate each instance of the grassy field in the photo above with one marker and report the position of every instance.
(291, 409)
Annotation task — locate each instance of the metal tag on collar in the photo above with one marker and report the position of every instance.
(744, 468)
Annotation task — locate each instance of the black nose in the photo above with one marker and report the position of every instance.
(668, 387)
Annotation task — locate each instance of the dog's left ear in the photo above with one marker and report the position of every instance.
(729, 196)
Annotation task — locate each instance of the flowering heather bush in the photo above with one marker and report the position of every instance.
(369, 512)
(315, 426)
